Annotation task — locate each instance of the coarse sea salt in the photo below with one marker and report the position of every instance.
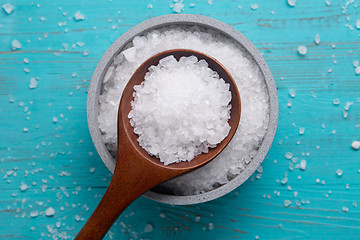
(8, 8)
(15, 45)
(181, 109)
(247, 75)
(302, 50)
(355, 145)
(79, 16)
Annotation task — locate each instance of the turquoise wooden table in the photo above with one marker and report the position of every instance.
(52, 177)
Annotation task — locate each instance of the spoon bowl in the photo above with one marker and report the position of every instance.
(136, 171)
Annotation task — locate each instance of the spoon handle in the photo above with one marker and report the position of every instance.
(132, 177)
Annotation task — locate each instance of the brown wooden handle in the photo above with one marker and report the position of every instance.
(133, 176)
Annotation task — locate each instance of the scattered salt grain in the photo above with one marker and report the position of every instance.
(357, 24)
(302, 50)
(192, 5)
(289, 155)
(79, 16)
(23, 187)
(317, 38)
(303, 165)
(26, 60)
(26, 130)
(287, 203)
(15, 45)
(291, 3)
(348, 105)
(211, 226)
(8, 8)
(301, 131)
(200, 119)
(292, 93)
(54, 119)
(355, 63)
(284, 181)
(339, 172)
(33, 83)
(345, 209)
(210, 2)
(49, 212)
(254, 6)
(178, 7)
(336, 101)
(357, 70)
(148, 228)
(80, 44)
(34, 214)
(355, 145)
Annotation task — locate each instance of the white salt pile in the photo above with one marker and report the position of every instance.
(254, 100)
(181, 109)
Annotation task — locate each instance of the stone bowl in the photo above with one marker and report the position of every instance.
(182, 19)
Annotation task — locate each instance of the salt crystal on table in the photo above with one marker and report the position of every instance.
(302, 50)
(339, 172)
(291, 3)
(357, 70)
(348, 105)
(355, 63)
(34, 214)
(355, 145)
(178, 7)
(148, 228)
(317, 38)
(211, 226)
(49, 212)
(292, 93)
(301, 131)
(54, 119)
(33, 83)
(8, 8)
(357, 24)
(287, 203)
(79, 16)
(15, 45)
(303, 164)
(289, 155)
(254, 6)
(336, 101)
(23, 187)
(80, 44)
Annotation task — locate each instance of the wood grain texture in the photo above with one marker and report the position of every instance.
(62, 170)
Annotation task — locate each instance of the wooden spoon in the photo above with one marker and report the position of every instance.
(136, 171)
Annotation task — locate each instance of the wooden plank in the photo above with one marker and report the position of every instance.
(62, 169)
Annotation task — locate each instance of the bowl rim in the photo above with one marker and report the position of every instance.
(183, 19)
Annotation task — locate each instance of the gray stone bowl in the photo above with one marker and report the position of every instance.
(183, 19)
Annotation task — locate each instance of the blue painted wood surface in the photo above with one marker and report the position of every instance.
(58, 163)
